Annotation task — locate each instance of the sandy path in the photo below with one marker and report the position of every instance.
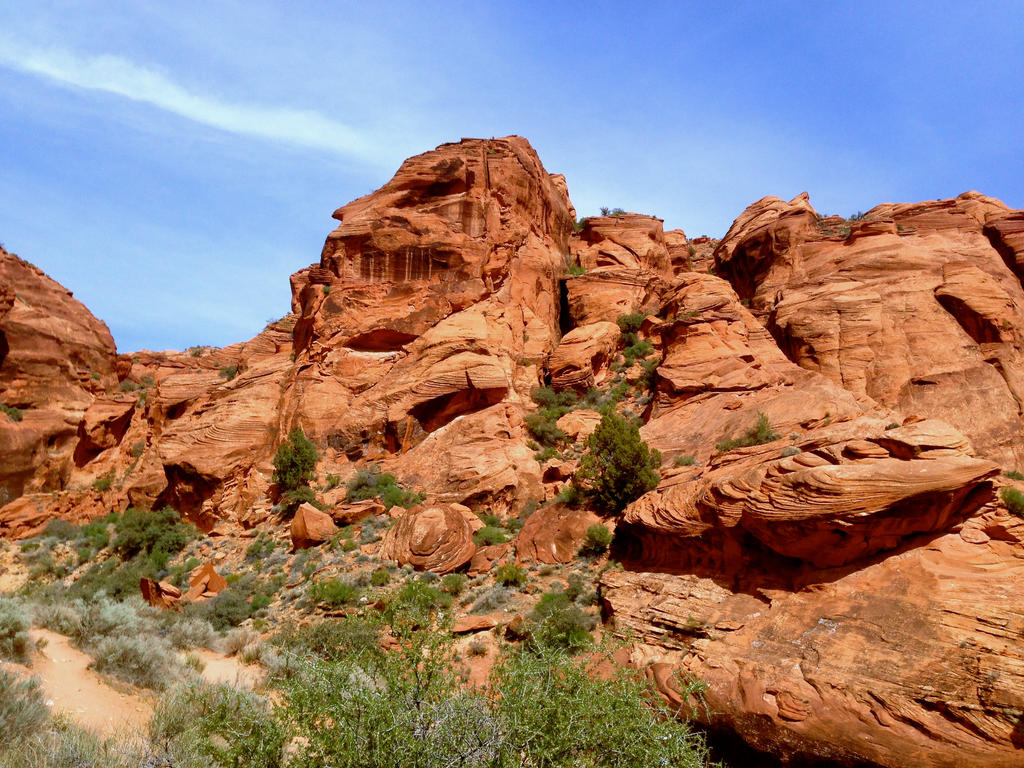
(228, 669)
(71, 687)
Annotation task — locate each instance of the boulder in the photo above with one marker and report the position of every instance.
(553, 534)
(583, 356)
(434, 538)
(311, 527)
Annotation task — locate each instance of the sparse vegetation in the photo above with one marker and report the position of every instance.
(685, 461)
(1014, 474)
(372, 483)
(1014, 500)
(229, 372)
(759, 434)
(13, 413)
(15, 621)
(510, 575)
(104, 482)
(294, 461)
(598, 539)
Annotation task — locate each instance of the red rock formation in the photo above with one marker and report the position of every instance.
(436, 538)
(311, 527)
(915, 305)
(554, 534)
(583, 355)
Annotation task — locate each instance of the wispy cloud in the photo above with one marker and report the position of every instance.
(120, 76)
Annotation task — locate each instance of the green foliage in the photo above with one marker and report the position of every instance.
(261, 547)
(1014, 500)
(599, 538)
(1014, 475)
(334, 592)
(631, 322)
(453, 583)
(488, 535)
(23, 709)
(331, 639)
(294, 461)
(637, 351)
(149, 662)
(301, 495)
(891, 425)
(372, 483)
(15, 622)
(685, 461)
(104, 482)
(510, 575)
(156, 535)
(380, 577)
(575, 270)
(220, 725)
(13, 413)
(552, 406)
(557, 622)
(618, 466)
(228, 609)
(791, 450)
(229, 372)
(333, 481)
(759, 434)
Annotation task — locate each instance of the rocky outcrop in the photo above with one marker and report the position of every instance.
(554, 534)
(914, 305)
(436, 538)
(583, 356)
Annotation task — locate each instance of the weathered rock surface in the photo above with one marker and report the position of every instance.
(915, 305)
(436, 538)
(582, 358)
(554, 534)
(311, 527)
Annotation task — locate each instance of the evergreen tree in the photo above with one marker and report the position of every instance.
(618, 466)
(294, 462)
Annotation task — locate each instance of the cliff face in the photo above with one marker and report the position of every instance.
(845, 587)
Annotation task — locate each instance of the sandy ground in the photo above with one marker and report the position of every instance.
(71, 687)
(228, 669)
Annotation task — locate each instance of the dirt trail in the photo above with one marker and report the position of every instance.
(228, 669)
(76, 690)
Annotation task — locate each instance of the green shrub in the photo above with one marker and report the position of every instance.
(759, 434)
(453, 583)
(13, 413)
(599, 538)
(1014, 475)
(261, 548)
(23, 709)
(510, 575)
(146, 661)
(372, 483)
(557, 622)
(630, 323)
(228, 609)
(618, 466)
(333, 481)
(334, 592)
(219, 724)
(575, 270)
(331, 639)
(154, 534)
(791, 450)
(192, 632)
(15, 622)
(294, 461)
(544, 431)
(380, 577)
(103, 482)
(1014, 500)
(489, 535)
(685, 461)
(229, 372)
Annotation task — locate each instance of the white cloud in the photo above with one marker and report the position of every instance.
(117, 75)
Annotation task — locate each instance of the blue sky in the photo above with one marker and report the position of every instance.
(173, 163)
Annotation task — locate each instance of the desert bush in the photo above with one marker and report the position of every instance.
(791, 450)
(618, 466)
(192, 632)
(334, 592)
(489, 535)
(372, 483)
(331, 639)
(13, 413)
(510, 575)
(229, 372)
(23, 709)
(103, 482)
(204, 724)
(557, 622)
(685, 461)
(294, 461)
(228, 609)
(15, 622)
(759, 434)
(63, 616)
(1014, 474)
(146, 661)
(491, 600)
(1014, 500)
(630, 323)
(453, 583)
(597, 541)
(154, 534)
(237, 639)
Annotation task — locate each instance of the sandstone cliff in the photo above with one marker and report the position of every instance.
(844, 585)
